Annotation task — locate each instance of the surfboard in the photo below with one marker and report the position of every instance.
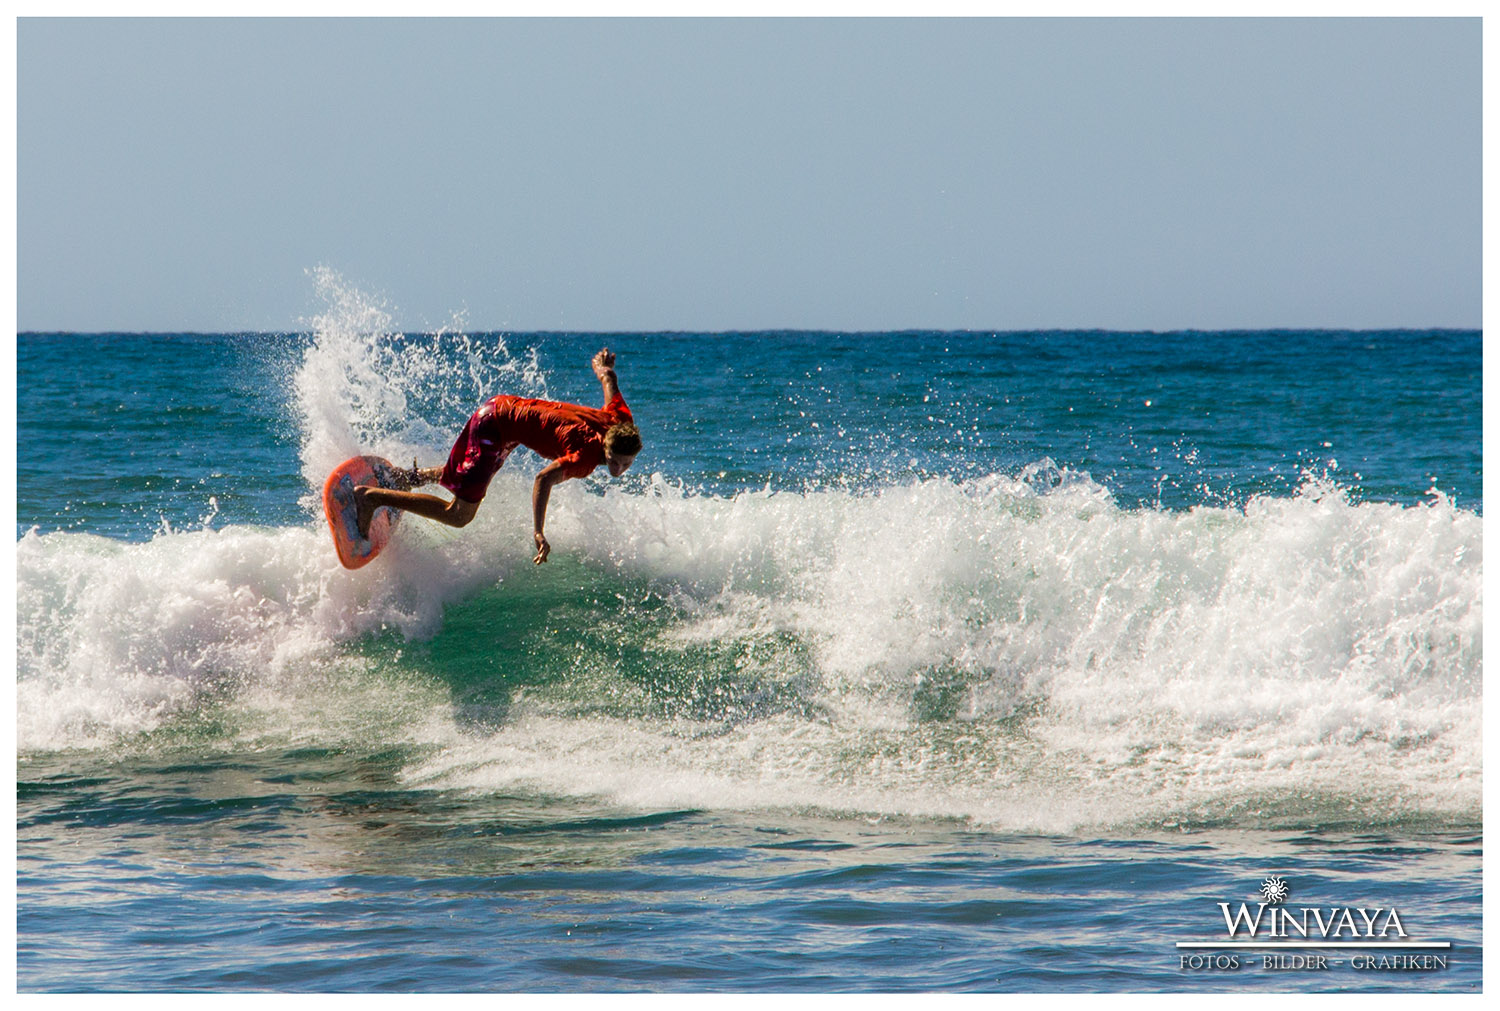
(338, 505)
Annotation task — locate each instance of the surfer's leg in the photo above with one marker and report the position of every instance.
(368, 498)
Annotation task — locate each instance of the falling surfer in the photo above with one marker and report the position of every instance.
(575, 438)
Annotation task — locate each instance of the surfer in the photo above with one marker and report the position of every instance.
(575, 438)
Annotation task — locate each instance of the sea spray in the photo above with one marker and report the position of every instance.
(115, 638)
(361, 387)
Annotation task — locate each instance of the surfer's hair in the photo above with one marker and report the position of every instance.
(623, 439)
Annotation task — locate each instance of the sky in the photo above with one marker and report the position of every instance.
(846, 174)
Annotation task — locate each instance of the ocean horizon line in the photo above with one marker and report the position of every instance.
(788, 331)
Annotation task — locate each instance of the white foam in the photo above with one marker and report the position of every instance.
(1016, 650)
(1162, 662)
(1108, 663)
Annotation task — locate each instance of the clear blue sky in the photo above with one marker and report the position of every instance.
(729, 174)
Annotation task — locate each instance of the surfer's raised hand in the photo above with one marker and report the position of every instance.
(542, 549)
(604, 368)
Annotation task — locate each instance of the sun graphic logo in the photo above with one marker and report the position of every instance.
(1274, 889)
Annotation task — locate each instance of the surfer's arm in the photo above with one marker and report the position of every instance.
(604, 368)
(541, 491)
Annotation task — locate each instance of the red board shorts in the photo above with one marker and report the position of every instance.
(479, 453)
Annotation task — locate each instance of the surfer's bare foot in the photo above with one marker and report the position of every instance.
(364, 510)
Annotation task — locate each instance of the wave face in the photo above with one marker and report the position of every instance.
(1016, 648)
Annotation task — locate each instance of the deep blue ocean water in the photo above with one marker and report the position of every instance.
(909, 662)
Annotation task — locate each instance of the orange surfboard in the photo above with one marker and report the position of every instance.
(338, 505)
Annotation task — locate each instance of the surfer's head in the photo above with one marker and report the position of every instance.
(621, 443)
